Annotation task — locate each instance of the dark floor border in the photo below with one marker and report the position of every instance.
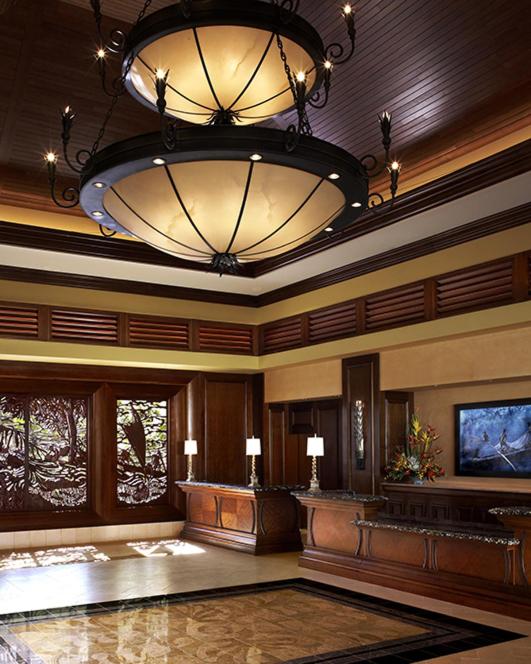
(445, 634)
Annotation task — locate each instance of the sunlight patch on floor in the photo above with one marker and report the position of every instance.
(56, 556)
(164, 548)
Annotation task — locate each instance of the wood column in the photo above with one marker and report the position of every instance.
(361, 446)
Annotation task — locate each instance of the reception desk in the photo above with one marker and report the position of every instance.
(254, 520)
(471, 565)
(332, 541)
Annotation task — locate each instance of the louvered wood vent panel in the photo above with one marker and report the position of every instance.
(18, 321)
(282, 335)
(529, 274)
(332, 323)
(94, 326)
(399, 307)
(475, 288)
(157, 333)
(225, 339)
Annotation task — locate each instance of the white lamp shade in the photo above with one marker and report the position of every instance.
(252, 446)
(190, 446)
(315, 446)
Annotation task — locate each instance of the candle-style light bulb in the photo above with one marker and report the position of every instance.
(327, 64)
(67, 119)
(301, 76)
(394, 170)
(161, 79)
(51, 162)
(100, 54)
(348, 15)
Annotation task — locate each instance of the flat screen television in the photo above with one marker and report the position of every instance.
(493, 438)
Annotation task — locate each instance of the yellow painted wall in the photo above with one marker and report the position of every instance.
(436, 406)
(13, 291)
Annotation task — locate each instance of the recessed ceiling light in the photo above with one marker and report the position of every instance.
(159, 161)
(334, 176)
(255, 157)
(329, 229)
(97, 213)
(356, 204)
(98, 185)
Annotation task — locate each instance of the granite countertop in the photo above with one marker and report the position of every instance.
(241, 487)
(517, 510)
(340, 494)
(439, 532)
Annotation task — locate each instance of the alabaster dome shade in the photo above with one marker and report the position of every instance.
(211, 198)
(192, 209)
(234, 65)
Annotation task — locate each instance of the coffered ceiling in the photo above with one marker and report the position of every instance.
(455, 75)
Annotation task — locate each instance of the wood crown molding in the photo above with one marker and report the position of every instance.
(504, 165)
(496, 223)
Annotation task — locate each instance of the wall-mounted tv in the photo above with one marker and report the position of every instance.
(493, 438)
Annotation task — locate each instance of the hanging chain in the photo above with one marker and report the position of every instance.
(120, 88)
(114, 101)
(304, 122)
(143, 11)
(287, 69)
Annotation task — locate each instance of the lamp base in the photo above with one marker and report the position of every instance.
(254, 481)
(190, 477)
(314, 485)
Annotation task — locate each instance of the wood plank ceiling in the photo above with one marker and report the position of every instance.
(455, 74)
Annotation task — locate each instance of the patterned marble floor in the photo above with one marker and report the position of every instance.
(210, 567)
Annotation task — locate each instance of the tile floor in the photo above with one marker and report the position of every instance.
(211, 567)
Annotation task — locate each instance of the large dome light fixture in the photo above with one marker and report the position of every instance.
(213, 191)
(217, 197)
(225, 62)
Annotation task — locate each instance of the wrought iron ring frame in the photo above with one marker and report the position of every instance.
(245, 13)
(227, 143)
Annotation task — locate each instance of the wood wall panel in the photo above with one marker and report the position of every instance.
(287, 428)
(361, 384)
(396, 410)
(228, 420)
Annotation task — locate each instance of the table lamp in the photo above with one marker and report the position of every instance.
(315, 448)
(252, 449)
(190, 449)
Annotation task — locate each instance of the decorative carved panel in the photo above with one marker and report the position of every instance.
(142, 439)
(43, 452)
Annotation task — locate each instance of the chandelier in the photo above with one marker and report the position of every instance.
(211, 186)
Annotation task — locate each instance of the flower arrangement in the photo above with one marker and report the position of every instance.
(415, 460)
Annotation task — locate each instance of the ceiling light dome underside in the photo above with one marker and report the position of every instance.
(227, 60)
(210, 198)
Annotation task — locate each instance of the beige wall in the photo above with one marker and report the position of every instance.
(436, 406)
(307, 381)
(487, 356)
(498, 355)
